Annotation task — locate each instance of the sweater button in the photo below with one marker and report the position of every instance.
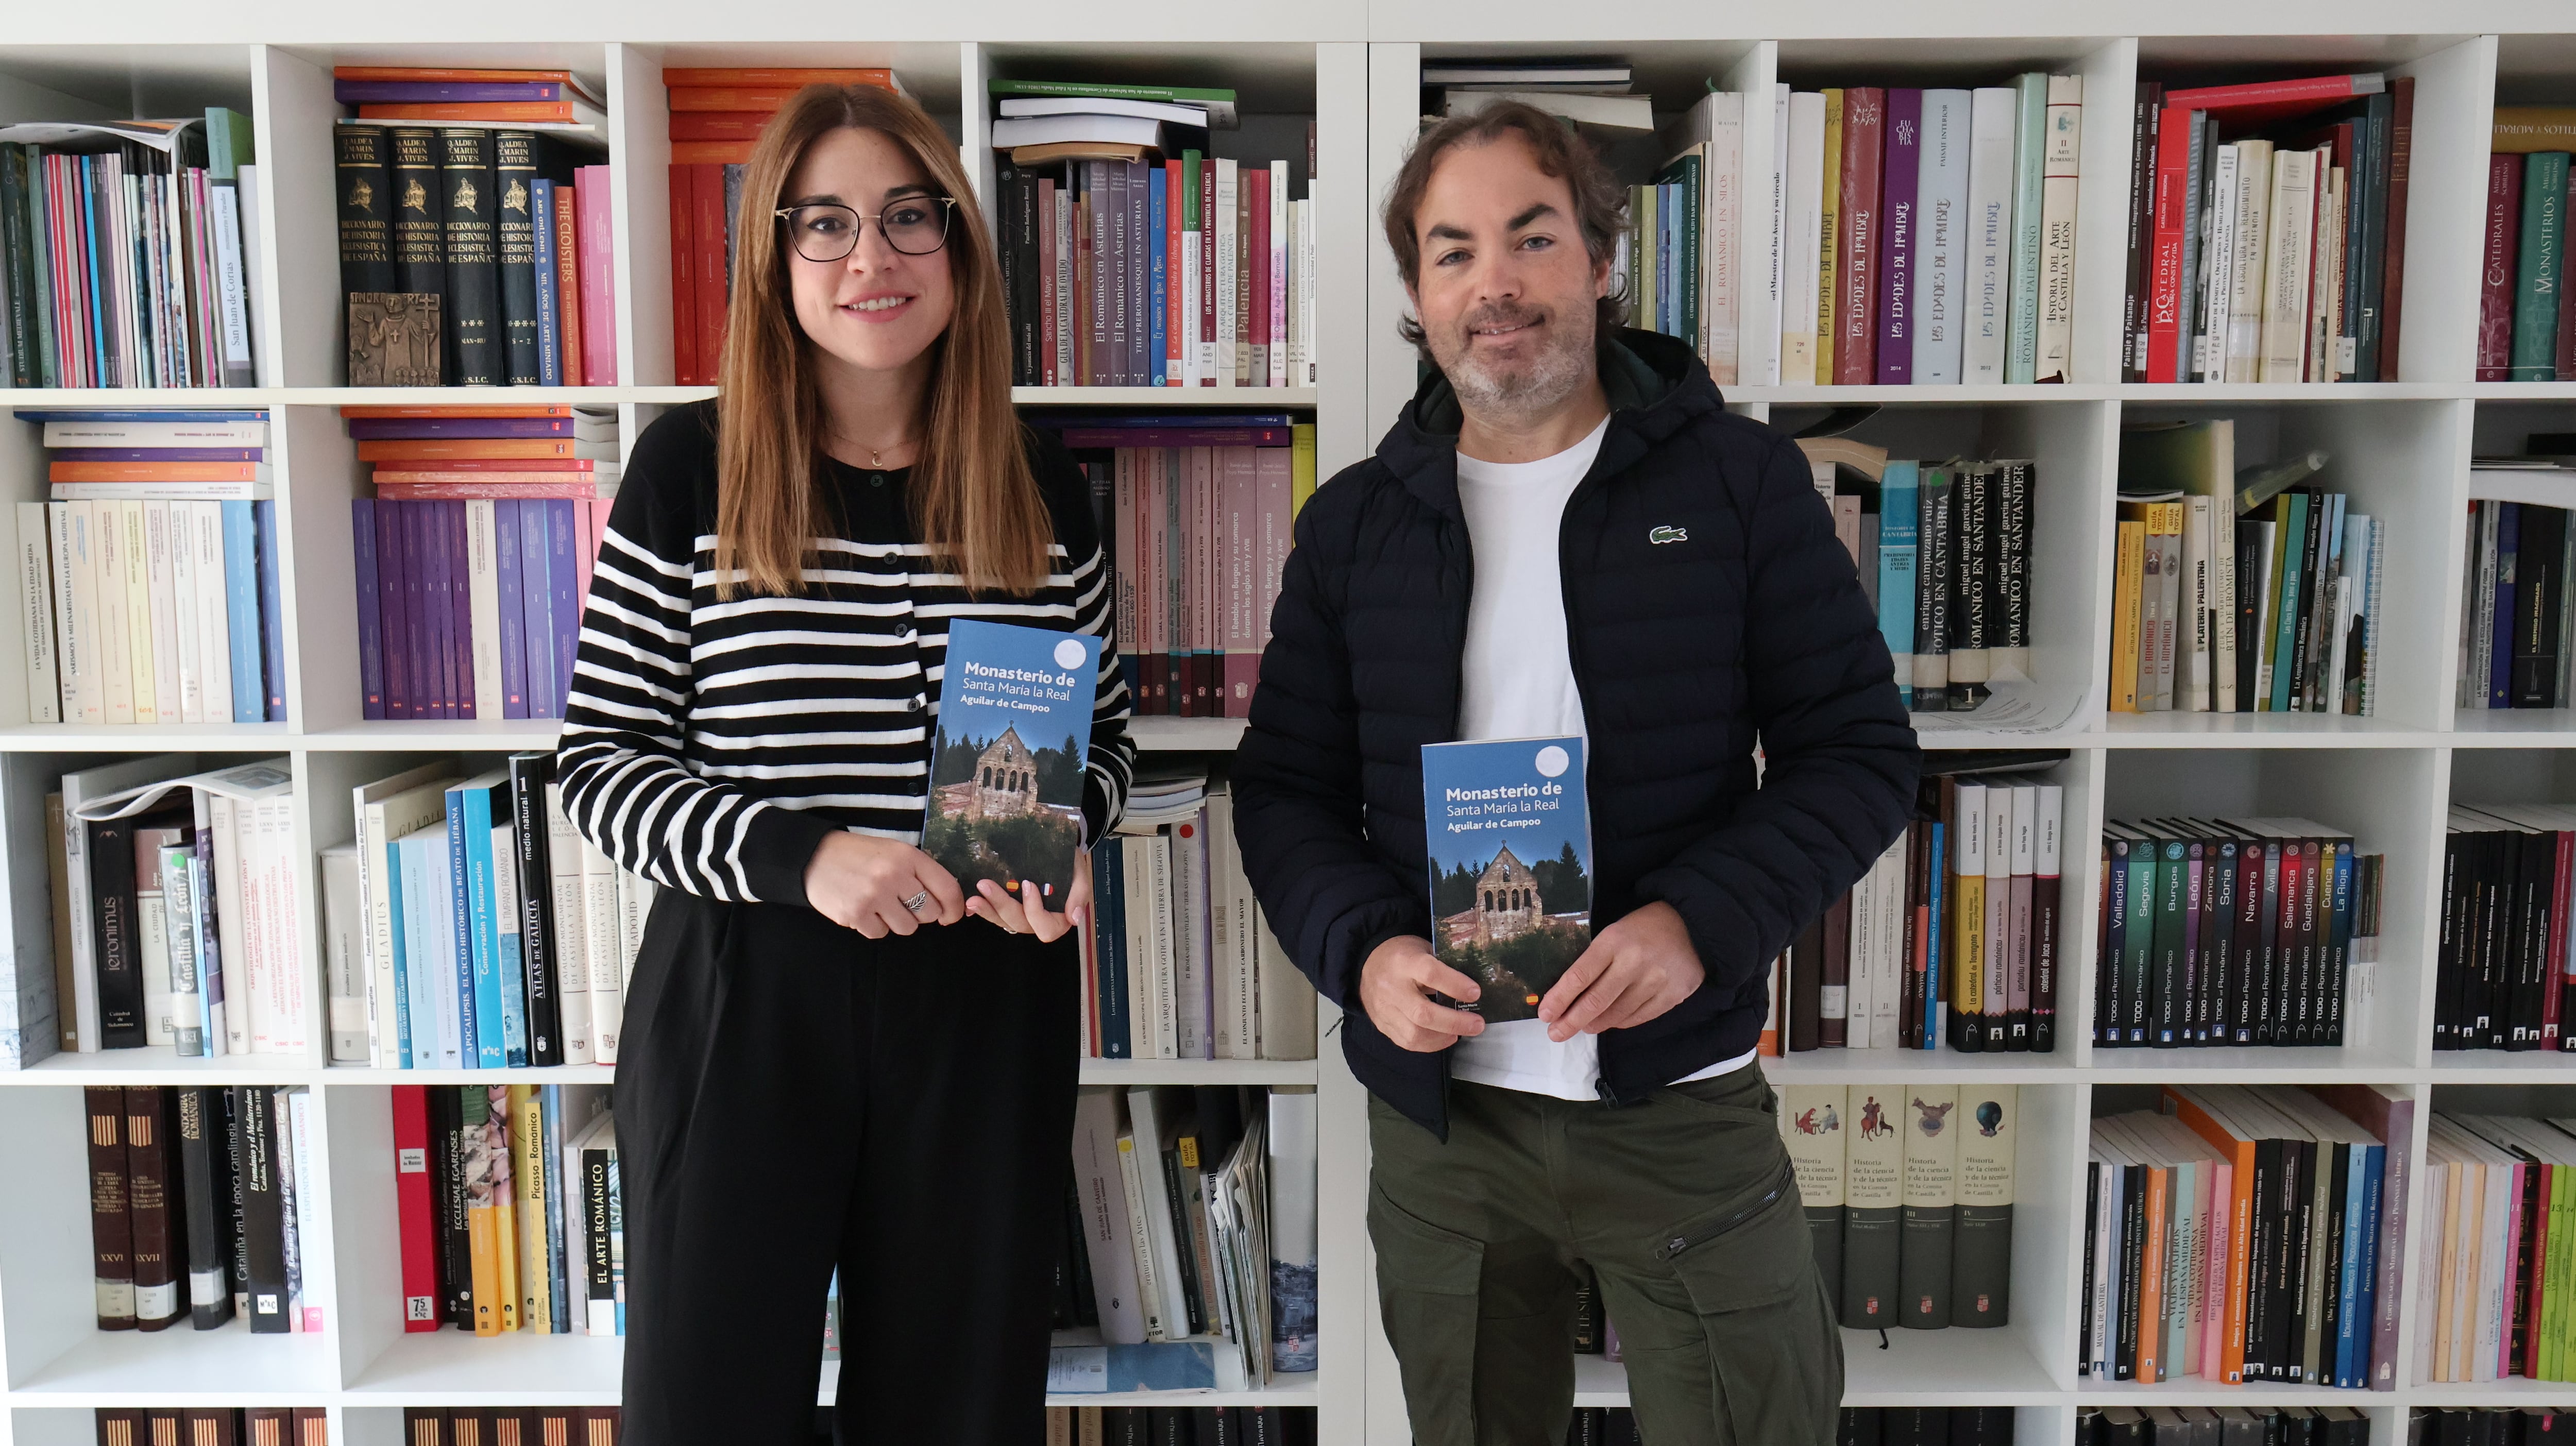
(908, 632)
(876, 479)
(916, 703)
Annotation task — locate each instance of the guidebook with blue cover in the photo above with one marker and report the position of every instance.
(1007, 756)
(1511, 865)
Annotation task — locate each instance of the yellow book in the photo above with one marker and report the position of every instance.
(2522, 129)
(486, 1176)
(1968, 890)
(2128, 582)
(1645, 239)
(505, 1207)
(1301, 466)
(528, 1171)
(1826, 330)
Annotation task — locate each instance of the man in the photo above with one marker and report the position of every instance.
(1566, 533)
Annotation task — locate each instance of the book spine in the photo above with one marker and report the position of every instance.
(469, 247)
(1901, 228)
(1857, 264)
(240, 573)
(2030, 147)
(1934, 583)
(111, 1212)
(157, 1299)
(205, 1168)
(596, 269)
(2061, 147)
(2532, 345)
(707, 286)
(539, 944)
(1826, 297)
(264, 1211)
(568, 283)
(514, 161)
(605, 1313)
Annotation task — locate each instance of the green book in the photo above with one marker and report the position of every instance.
(1219, 103)
(2030, 146)
(2281, 651)
(1642, 256)
(2535, 295)
(29, 367)
(39, 225)
(2137, 941)
(2165, 982)
(1684, 173)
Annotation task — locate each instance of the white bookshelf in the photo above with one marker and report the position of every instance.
(1353, 67)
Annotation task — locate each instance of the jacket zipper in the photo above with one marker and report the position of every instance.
(1770, 1197)
(1574, 664)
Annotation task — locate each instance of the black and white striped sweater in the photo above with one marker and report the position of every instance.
(711, 746)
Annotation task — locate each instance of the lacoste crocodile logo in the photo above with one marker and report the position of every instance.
(1667, 533)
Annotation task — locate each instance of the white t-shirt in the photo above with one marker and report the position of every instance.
(1517, 681)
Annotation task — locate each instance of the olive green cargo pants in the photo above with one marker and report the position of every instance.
(1685, 1208)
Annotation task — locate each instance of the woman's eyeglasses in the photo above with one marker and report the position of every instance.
(915, 226)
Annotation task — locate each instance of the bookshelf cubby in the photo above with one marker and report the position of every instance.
(1353, 67)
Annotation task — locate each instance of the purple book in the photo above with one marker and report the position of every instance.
(1896, 228)
(418, 636)
(1087, 437)
(371, 638)
(429, 92)
(514, 639)
(414, 429)
(2394, 1184)
(154, 454)
(536, 609)
(390, 610)
(563, 571)
(438, 620)
(460, 601)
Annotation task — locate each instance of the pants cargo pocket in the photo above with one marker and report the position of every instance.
(1774, 1355)
(1427, 1291)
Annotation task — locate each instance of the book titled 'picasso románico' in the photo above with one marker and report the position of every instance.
(1007, 758)
(1511, 865)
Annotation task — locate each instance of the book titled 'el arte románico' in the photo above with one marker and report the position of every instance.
(1510, 846)
(1007, 756)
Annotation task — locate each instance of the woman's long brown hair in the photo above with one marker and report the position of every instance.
(973, 498)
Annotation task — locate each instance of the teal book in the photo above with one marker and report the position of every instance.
(2030, 147)
(1510, 846)
(478, 1036)
(1008, 756)
(2294, 564)
(1898, 530)
(2535, 294)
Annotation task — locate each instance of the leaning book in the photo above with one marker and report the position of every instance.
(1007, 763)
(1511, 865)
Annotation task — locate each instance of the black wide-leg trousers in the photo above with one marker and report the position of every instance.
(792, 1096)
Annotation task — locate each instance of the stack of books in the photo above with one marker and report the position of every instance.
(2492, 1264)
(2233, 590)
(716, 114)
(1181, 1425)
(2234, 931)
(215, 1425)
(2515, 607)
(196, 1198)
(2500, 972)
(2267, 230)
(475, 241)
(2526, 329)
(1194, 514)
(1180, 962)
(2247, 1233)
(130, 251)
(1909, 1198)
(1133, 257)
(474, 556)
(1927, 1426)
(151, 578)
(460, 1426)
(2221, 1426)
(468, 926)
(499, 1193)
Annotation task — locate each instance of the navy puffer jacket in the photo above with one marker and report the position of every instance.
(1709, 611)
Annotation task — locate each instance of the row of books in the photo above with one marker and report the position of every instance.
(469, 926)
(1951, 937)
(1925, 1426)
(214, 1425)
(1195, 520)
(1909, 1198)
(1190, 1222)
(2267, 230)
(150, 583)
(2221, 1426)
(476, 246)
(2489, 1426)
(2247, 1233)
(130, 252)
(2515, 633)
(2233, 931)
(473, 559)
(2500, 970)
(2526, 331)
(525, 1425)
(1181, 962)
(2493, 1265)
(508, 1209)
(1180, 1426)
(196, 1197)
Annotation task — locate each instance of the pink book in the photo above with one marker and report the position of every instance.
(1283, 254)
(1200, 542)
(598, 286)
(1234, 491)
(589, 518)
(1256, 327)
(2220, 1220)
(469, 486)
(1273, 486)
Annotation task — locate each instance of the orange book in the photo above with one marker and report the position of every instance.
(155, 471)
(790, 78)
(435, 73)
(2240, 1232)
(2151, 1278)
(763, 98)
(710, 153)
(461, 448)
(719, 125)
(486, 464)
(478, 110)
(386, 413)
(568, 280)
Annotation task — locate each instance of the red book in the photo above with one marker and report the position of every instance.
(590, 522)
(598, 281)
(707, 202)
(568, 281)
(2551, 1004)
(2495, 302)
(417, 448)
(718, 125)
(2164, 263)
(1046, 283)
(154, 471)
(1175, 265)
(416, 1225)
(684, 289)
(774, 77)
(2392, 287)
(313, 1426)
(709, 153)
(734, 98)
(1207, 268)
(434, 469)
(2271, 100)
(1256, 321)
(540, 112)
(1864, 158)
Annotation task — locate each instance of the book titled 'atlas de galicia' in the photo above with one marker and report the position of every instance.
(1511, 865)
(1007, 761)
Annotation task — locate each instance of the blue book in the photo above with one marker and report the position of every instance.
(371, 639)
(1934, 933)
(1510, 843)
(564, 617)
(512, 638)
(1109, 902)
(482, 952)
(272, 619)
(459, 952)
(388, 867)
(2350, 1326)
(1158, 324)
(93, 226)
(500, 844)
(550, 1108)
(2365, 1314)
(1667, 200)
(541, 213)
(152, 414)
(424, 863)
(1009, 748)
(1899, 521)
(536, 605)
(241, 611)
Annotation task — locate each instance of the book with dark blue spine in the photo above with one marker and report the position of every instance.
(1109, 907)
(512, 639)
(549, 300)
(371, 643)
(1510, 845)
(1010, 746)
(272, 618)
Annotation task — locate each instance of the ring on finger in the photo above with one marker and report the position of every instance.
(915, 903)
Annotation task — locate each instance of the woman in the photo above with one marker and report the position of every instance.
(826, 1062)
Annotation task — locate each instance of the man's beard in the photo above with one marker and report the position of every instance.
(1562, 365)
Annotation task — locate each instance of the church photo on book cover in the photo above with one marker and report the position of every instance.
(1511, 885)
(1007, 756)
